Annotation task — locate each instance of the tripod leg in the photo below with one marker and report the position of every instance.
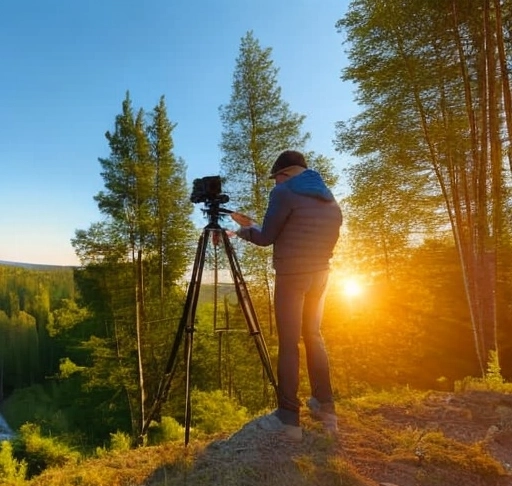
(189, 341)
(186, 324)
(248, 309)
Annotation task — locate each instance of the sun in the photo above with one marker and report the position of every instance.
(351, 287)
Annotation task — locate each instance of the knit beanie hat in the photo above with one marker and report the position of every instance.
(287, 159)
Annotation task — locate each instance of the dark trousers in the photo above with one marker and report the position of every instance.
(299, 305)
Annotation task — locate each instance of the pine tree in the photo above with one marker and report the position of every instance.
(171, 218)
(257, 125)
(134, 258)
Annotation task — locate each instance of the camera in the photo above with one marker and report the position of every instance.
(208, 190)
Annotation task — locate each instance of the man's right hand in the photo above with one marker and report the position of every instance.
(242, 219)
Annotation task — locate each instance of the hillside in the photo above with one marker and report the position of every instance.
(35, 266)
(432, 439)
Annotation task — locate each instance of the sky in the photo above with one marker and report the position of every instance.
(66, 69)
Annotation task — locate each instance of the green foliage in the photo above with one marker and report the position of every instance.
(28, 296)
(427, 166)
(134, 259)
(398, 397)
(492, 380)
(214, 412)
(227, 358)
(66, 317)
(120, 441)
(436, 448)
(62, 409)
(493, 375)
(30, 288)
(168, 430)
(30, 403)
(68, 368)
(409, 325)
(432, 447)
(12, 471)
(257, 125)
(387, 204)
(41, 452)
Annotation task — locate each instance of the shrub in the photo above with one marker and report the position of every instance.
(12, 471)
(215, 412)
(41, 452)
(168, 430)
(120, 442)
(492, 380)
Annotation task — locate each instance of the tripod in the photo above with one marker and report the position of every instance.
(212, 231)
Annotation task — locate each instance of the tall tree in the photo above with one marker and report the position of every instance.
(171, 219)
(257, 125)
(139, 251)
(427, 75)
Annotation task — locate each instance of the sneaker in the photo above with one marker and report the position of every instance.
(271, 423)
(323, 412)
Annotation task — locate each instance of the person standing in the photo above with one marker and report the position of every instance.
(302, 222)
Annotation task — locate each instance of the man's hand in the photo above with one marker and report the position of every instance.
(242, 219)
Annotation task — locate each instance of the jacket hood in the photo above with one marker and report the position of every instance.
(310, 183)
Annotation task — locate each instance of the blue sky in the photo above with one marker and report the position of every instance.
(67, 65)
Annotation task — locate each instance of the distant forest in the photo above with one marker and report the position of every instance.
(30, 297)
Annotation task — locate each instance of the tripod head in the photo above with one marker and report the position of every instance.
(214, 213)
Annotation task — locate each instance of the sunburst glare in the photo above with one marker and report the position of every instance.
(351, 287)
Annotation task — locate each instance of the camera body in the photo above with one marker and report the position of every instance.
(208, 190)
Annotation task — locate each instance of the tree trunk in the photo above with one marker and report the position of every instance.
(139, 319)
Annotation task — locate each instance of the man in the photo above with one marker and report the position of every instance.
(302, 222)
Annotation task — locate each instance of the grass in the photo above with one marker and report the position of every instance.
(401, 436)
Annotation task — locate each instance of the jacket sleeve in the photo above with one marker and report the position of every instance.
(275, 218)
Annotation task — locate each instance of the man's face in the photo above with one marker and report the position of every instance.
(280, 178)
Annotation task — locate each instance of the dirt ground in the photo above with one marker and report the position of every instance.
(478, 426)
(483, 419)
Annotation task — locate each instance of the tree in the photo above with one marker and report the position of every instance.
(427, 75)
(172, 225)
(257, 125)
(134, 258)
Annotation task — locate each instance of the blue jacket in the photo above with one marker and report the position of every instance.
(302, 221)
